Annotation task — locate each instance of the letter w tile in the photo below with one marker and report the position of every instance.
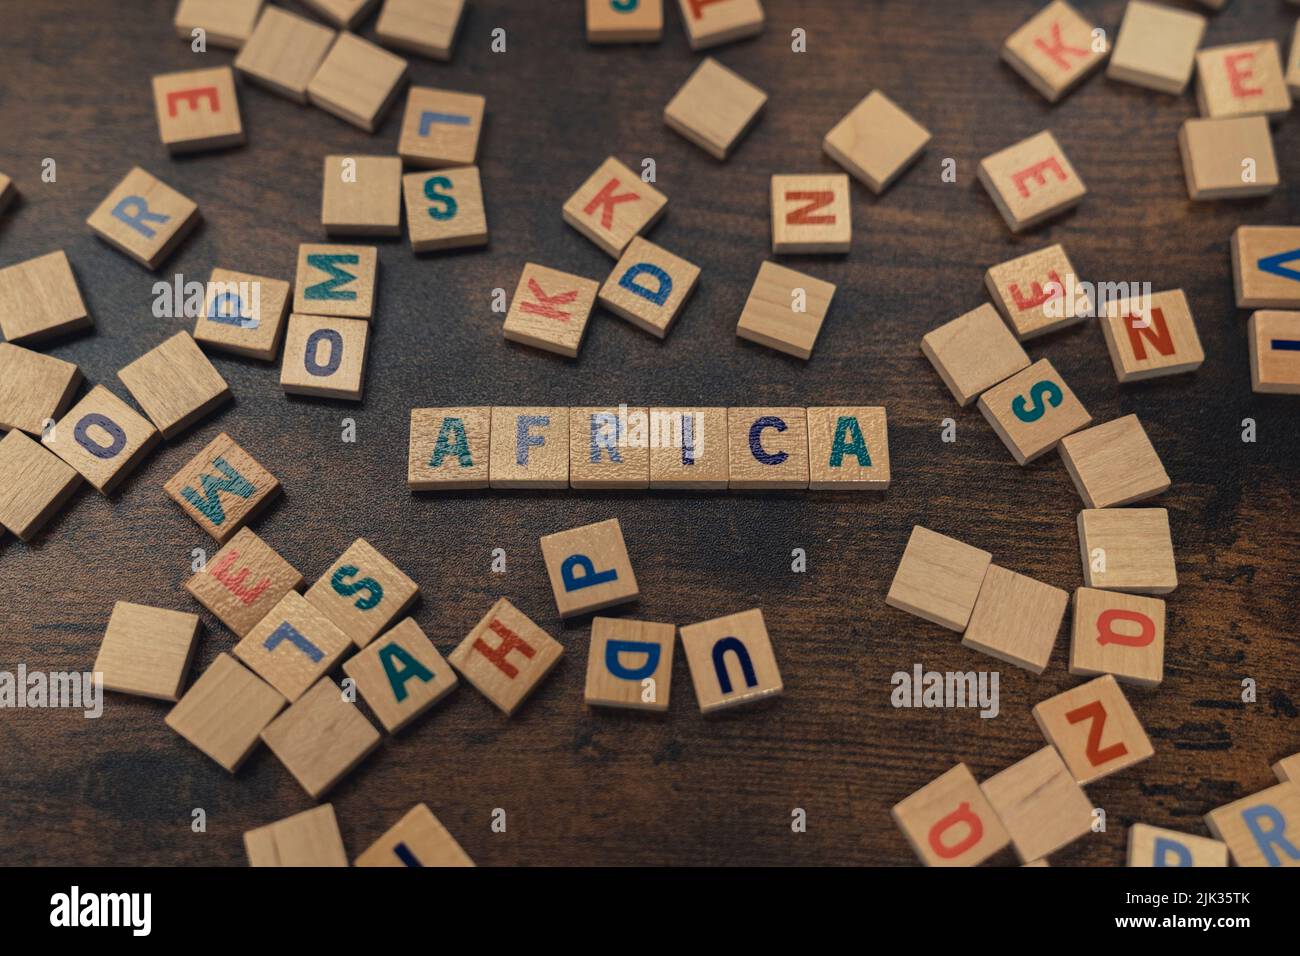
(209, 503)
(329, 263)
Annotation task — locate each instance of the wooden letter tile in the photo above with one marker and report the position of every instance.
(147, 650)
(714, 108)
(1262, 829)
(222, 488)
(444, 209)
(1275, 352)
(345, 14)
(449, 449)
(1038, 293)
(1265, 267)
(103, 437)
(362, 196)
(244, 314)
(876, 141)
(620, 21)
(336, 280)
(711, 22)
(529, 448)
(506, 656)
(418, 839)
(974, 352)
(1147, 339)
(1094, 729)
(401, 675)
(225, 710)
(1016, 619)
(1288, 770)
(1031, 181)
(320, 738)
(613, 207)
(39, 300)
(649, 286)
(609, 448)
(243, 581)
(1244, 79)
(227, 23)
(785, 310)
(284, 52)
(1033, 410)
(1127, 549)
(731, 661)
(198, 110)
(362, 592)
(293, 646)
(34, 388)
(630, 664)
(325, 357)
(357, 81)
(144, 218)
(1119, 634)
(550, 310)
(175, 384)
(589, 568)
(688, 451)
(1156, 47)
(938, 579)
(949, 821)
(811, 214)
(1293, 65)
(34, 484)
(426, 27)
(1156, 846)
(848, 449)
(310, 838)
(1228, 158)
(1114, 463)
(1054, 51)
(768, 448)
(440, 128)
(1040, 804)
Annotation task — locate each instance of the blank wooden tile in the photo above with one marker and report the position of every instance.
(876, 141)
(768, 448)
(731, 661)
(227, 23)
(244, 314)
(506, 656)
(1032, 292)
(1094, 729)
(1054, 50)
(811, 214)
(426, 27)
(529, 447)
(711, 22)
(1114, 463)
(444, 209)
(325, 357)
(1262, 829)
(362, 592)
(401, 675)
(1016, 619)
(144, 218)
(34, 484)
(175, 384)
(625, 21)
(147, 650)
(1031, 181)
(550, 310)
(1147, 339)
(8, 192)
(1156, 846)
(1275, 352)
(222, 487)
(589, 568)
(1156, 47)
(1242, 79)
(613, 207)
(102, 437)
(440, 128)
(973, 353)
(1039, 803)
(1127, 550)
(949, 822)
(1119, 634)
(345, 14)
(630, 664)
(609, 448)
(34, 388)
(307, 839)
(39, 300)
(1032, 411)
(243, 582)
(321, 737)
(1288, 769)
(449, 448)
(357, 81)
(785, 310)
(690, 451)
(198, 110)
(938, 579)
(1265, 267)
(418, 839)
(714, 108)
(362, 196)
(225, 710)
(293, 646)
(1228, 158)
(336, 280)
(649, 286)
(284, 52)
(848, 448)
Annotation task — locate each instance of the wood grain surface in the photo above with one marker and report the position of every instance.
(607, 787)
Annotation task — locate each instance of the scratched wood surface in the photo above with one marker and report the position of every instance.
(612, 788)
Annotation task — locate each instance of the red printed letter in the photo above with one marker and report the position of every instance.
(961, 815)
(192, 97)
(1056, 52)
(546, 304)
(815, 200)
(1155, 331)
(510, 641)
(697, 7)
(1055, 289)
(1237, 77)
(235, 583)
(607, 201)
(1096, 713)
(1106, 633)
(1037, 173)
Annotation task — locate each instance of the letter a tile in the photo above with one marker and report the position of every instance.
(949, 821)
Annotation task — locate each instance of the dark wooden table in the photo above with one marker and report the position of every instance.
(613, 788)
